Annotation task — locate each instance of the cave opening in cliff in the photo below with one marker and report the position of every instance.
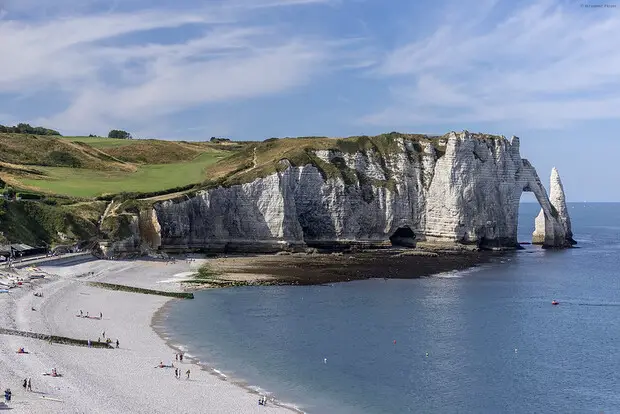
(403, 237)
(529, 207)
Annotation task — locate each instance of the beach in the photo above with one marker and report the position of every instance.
(106, 380)
(127, 379)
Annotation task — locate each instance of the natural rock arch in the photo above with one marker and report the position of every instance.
(550, 230)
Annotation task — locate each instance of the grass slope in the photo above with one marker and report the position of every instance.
(51, 151)
(263, 158)
(87, 167)
(88, 183)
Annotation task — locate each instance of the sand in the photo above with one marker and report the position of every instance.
(122, 380)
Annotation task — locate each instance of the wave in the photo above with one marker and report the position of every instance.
(457, 274)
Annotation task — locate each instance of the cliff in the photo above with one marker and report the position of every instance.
(461, 188)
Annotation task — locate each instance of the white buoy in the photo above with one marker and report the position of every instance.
(515, 350)
(325, 360)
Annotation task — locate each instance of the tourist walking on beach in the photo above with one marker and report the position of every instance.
(25, 383)
(101, 316)
(29, 384)
(117, 343)
(187, 372)
(181, 357)
(176, 357)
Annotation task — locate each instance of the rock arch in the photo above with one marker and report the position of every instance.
(550, 231)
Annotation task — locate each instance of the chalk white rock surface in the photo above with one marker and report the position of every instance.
(558, 201)
(465, 189)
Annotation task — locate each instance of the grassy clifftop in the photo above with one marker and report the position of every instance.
(88, 167)
(72, 173)
(84, 167)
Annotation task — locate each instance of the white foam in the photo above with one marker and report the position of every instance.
(220, 373)
(457, 274)
(453, 274)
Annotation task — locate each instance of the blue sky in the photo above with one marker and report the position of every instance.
(546, 71)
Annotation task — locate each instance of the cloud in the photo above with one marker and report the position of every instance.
(543, 65)
(101, 64)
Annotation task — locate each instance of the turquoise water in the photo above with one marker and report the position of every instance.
(494, 341)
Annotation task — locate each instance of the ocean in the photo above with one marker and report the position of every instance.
(483, 340)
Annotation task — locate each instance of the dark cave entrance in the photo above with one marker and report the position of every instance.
(403, 237)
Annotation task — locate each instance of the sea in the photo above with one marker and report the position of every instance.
(483, 340)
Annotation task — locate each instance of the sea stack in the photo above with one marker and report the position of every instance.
(558, 202)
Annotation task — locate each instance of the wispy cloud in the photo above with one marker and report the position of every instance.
(93, 61)
(545, 64)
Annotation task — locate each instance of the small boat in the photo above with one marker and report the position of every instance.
(555, 302)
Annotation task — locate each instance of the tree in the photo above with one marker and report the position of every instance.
(22, 128)
(119, 134)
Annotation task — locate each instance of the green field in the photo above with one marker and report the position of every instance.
(78, 182)
(101, 142)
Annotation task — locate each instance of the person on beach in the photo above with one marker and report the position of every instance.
(103, 334)
(101, 317)
(181, 357)
(187, 372)
(29, 384)
(176, 373)
(88, 343)
(25, 383)
(176, 357)
(117, 343)
(81, 314)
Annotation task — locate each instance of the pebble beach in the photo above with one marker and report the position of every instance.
(95, 380)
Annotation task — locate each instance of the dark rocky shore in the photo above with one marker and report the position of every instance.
(318, 268)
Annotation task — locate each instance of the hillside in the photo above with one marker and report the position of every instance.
(72, 173)
(85, 167)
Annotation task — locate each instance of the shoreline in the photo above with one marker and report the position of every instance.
(105, 381)
(157, 319)
(123, 380)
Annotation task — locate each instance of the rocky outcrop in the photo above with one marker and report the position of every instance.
(560, 210)
(458, 189)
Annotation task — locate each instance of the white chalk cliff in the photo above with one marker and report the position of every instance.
(558, 201)
(462, 188)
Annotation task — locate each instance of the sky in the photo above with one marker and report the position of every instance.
(546, 71)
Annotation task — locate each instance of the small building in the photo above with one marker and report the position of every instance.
(21, 250)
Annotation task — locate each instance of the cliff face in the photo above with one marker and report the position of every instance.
(463, 188)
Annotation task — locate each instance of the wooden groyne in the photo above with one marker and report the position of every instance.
(124, 288)
(55, 339)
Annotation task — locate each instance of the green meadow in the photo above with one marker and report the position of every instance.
(85, 183)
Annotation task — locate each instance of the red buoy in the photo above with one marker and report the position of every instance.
(394, 341)
(555, 302)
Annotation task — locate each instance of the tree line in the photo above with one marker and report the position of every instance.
(28, 129)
